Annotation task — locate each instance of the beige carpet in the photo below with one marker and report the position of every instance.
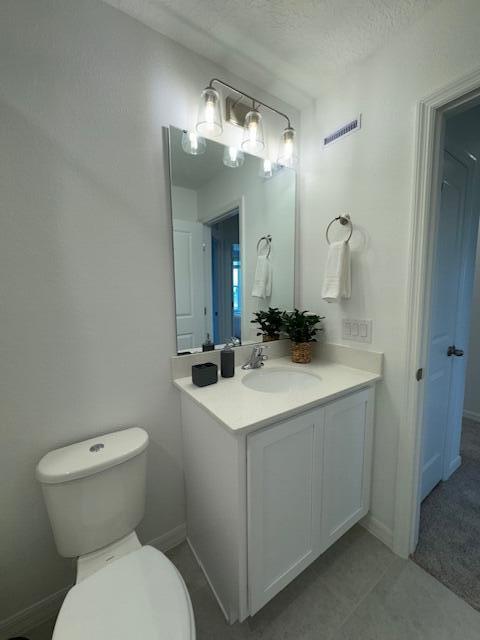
(449, 545)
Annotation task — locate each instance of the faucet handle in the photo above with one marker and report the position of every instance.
(260, 351)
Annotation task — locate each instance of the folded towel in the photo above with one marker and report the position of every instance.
(262, 283)
(337, 278)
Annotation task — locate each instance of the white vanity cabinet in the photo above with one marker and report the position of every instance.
(284, 496)
(263, 504)
(307, 483)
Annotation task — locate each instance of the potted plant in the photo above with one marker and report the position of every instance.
(301, 327)
(270, 323)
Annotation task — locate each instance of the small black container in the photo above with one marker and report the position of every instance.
(227, 361)
(204, 374)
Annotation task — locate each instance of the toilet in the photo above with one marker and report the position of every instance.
(95, 496)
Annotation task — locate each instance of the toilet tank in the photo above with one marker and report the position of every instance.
(95, 490)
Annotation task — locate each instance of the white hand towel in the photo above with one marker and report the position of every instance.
(262, 283)
(337, 279)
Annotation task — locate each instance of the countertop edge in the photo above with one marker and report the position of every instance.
(253, 426)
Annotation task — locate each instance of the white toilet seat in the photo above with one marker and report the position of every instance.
(140, 595)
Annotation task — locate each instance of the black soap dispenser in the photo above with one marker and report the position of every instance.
(227, 361)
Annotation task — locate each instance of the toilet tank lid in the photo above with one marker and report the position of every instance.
(91, 456)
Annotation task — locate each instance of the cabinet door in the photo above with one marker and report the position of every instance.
(346, 464)
(283, 464)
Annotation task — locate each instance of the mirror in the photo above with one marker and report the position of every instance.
(223, 219)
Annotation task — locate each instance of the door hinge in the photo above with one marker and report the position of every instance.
(419, 375)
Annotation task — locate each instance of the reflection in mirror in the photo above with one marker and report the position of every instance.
(233, 240)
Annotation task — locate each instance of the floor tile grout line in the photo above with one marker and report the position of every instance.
(365, 596)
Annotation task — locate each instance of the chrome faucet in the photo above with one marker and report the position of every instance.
(257, 358)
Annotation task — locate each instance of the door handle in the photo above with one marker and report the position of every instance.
(453, 351)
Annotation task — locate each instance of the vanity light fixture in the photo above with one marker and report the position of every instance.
(210, 122)
(233, 157)
(193, 144)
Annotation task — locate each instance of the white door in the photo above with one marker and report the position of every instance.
(346, 465)
(284, 495)
(189, 283)
(439, 410)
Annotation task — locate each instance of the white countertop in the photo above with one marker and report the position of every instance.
(239, 408)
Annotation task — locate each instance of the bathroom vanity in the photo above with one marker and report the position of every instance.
(277, 468)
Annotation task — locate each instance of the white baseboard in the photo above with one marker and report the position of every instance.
(471, 415)
(192, 548)
(170, 539)
(33, 616)
(39, 612)
(378, 529)
(454, 465)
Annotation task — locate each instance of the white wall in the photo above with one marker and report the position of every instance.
(87, 320)
(184, 203)
(370, 175)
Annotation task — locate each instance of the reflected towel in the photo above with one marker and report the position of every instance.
(262, 283)
(337, 278)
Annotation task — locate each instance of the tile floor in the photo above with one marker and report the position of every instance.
(357, 590)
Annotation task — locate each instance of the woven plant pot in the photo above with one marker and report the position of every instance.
(267, 338)
(302, 352)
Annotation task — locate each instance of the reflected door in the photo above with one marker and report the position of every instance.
(226, 278)
(189, 283)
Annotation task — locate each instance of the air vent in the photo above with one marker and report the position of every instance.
(343, 131)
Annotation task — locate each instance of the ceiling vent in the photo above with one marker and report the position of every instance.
(344, 130)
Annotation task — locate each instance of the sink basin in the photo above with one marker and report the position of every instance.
(280, 380)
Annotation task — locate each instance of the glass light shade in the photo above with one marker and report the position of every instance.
(209, 121)
(253, 139)
(288, 155)
(267, 168)
(233, 157)
(193, 144)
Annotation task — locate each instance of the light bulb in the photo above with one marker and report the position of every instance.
(193, 141)
(267, 168)
(253, 140)
(193, 144)
(210, 113)
(287, 156)
(233, 157)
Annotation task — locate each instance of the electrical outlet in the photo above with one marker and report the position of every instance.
(357, 330)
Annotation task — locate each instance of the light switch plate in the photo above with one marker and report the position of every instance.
(357, 330)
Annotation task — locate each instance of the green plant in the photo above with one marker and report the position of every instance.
(301, 326)
(270, 322)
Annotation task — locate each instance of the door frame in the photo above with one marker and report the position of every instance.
(430, 119)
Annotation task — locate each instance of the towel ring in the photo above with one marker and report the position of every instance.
(268, 240)
(344, 220)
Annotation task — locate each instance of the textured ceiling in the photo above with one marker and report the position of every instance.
(285, 46)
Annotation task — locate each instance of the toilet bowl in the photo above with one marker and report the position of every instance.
(95, 495)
